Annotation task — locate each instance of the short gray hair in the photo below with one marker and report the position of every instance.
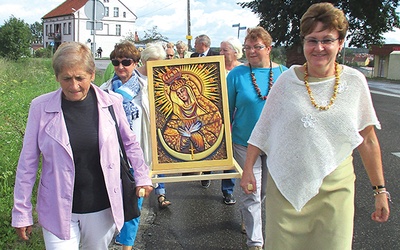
(236, 46)
(153, 51)
(204, 39)
(72, 54)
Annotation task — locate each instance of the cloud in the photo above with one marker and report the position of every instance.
(392, 37)
(30, 11)
(212, 17)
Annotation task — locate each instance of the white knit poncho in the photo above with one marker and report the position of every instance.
(304, 144)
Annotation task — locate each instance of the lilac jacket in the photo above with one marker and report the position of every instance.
(46, 138)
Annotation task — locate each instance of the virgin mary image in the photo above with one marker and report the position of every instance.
(194, 127)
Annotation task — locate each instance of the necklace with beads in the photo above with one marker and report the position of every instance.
(253, 80)
(335, 89)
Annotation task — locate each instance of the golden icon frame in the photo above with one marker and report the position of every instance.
(209, 147)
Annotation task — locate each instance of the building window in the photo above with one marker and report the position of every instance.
(69, 28)
(118, 30)
(124, 14)
(116, 12)
(57, 28)
(106, 11)
(47, 29)
(65, 31)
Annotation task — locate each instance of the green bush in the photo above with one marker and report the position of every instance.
(42, 52)
(15, 39)
(20, 82)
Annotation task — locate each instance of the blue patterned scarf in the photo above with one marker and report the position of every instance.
(128, 90)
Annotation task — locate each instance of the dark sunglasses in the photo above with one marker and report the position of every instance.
(125, 62)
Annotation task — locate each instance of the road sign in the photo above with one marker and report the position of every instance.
(90, 24)
(94, 10)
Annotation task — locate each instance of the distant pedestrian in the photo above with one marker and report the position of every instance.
(99, 51)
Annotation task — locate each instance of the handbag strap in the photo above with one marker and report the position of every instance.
(121, 145)
(122, 148)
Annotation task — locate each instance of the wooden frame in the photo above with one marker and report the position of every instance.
(190, 128)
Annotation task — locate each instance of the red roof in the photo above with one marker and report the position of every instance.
(66, 8)
(384, 50)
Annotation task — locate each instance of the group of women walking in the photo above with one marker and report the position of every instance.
(293, 131)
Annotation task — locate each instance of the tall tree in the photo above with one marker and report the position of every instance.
(37, 32)
(15, 39)
(368, 19)
(153, 35)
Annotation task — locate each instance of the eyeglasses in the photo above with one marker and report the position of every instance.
(314, 42)
(255, 47)
(125, 62)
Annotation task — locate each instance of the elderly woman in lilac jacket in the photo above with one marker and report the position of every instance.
(72, 132)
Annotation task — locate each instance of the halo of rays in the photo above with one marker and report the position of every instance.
(207, 73)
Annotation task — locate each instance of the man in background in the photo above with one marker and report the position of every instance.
(202, 45)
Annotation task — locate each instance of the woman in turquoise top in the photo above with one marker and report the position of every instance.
(244, 104)
(248, 87)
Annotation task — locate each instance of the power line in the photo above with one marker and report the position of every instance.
(161, 8)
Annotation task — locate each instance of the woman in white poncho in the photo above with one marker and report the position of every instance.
(315, 116)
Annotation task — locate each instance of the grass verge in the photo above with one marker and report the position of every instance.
(20, 82)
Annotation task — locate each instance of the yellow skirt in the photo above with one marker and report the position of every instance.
(325, 222)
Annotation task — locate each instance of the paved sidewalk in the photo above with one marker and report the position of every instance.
(146, 218)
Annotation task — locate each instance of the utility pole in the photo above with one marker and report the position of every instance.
(94, 29)
(188, 36)
(94, 10)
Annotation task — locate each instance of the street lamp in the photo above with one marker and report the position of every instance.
(239, 28)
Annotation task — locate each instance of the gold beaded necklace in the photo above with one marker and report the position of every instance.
(335, 89)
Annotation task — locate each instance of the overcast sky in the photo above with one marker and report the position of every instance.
(212, 17)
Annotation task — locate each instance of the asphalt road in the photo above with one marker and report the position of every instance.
(198, 219)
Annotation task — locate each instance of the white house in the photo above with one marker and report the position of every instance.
(386, 61)
(70, 22)
(394, 66)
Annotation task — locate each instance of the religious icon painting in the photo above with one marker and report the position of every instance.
(189, 114)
